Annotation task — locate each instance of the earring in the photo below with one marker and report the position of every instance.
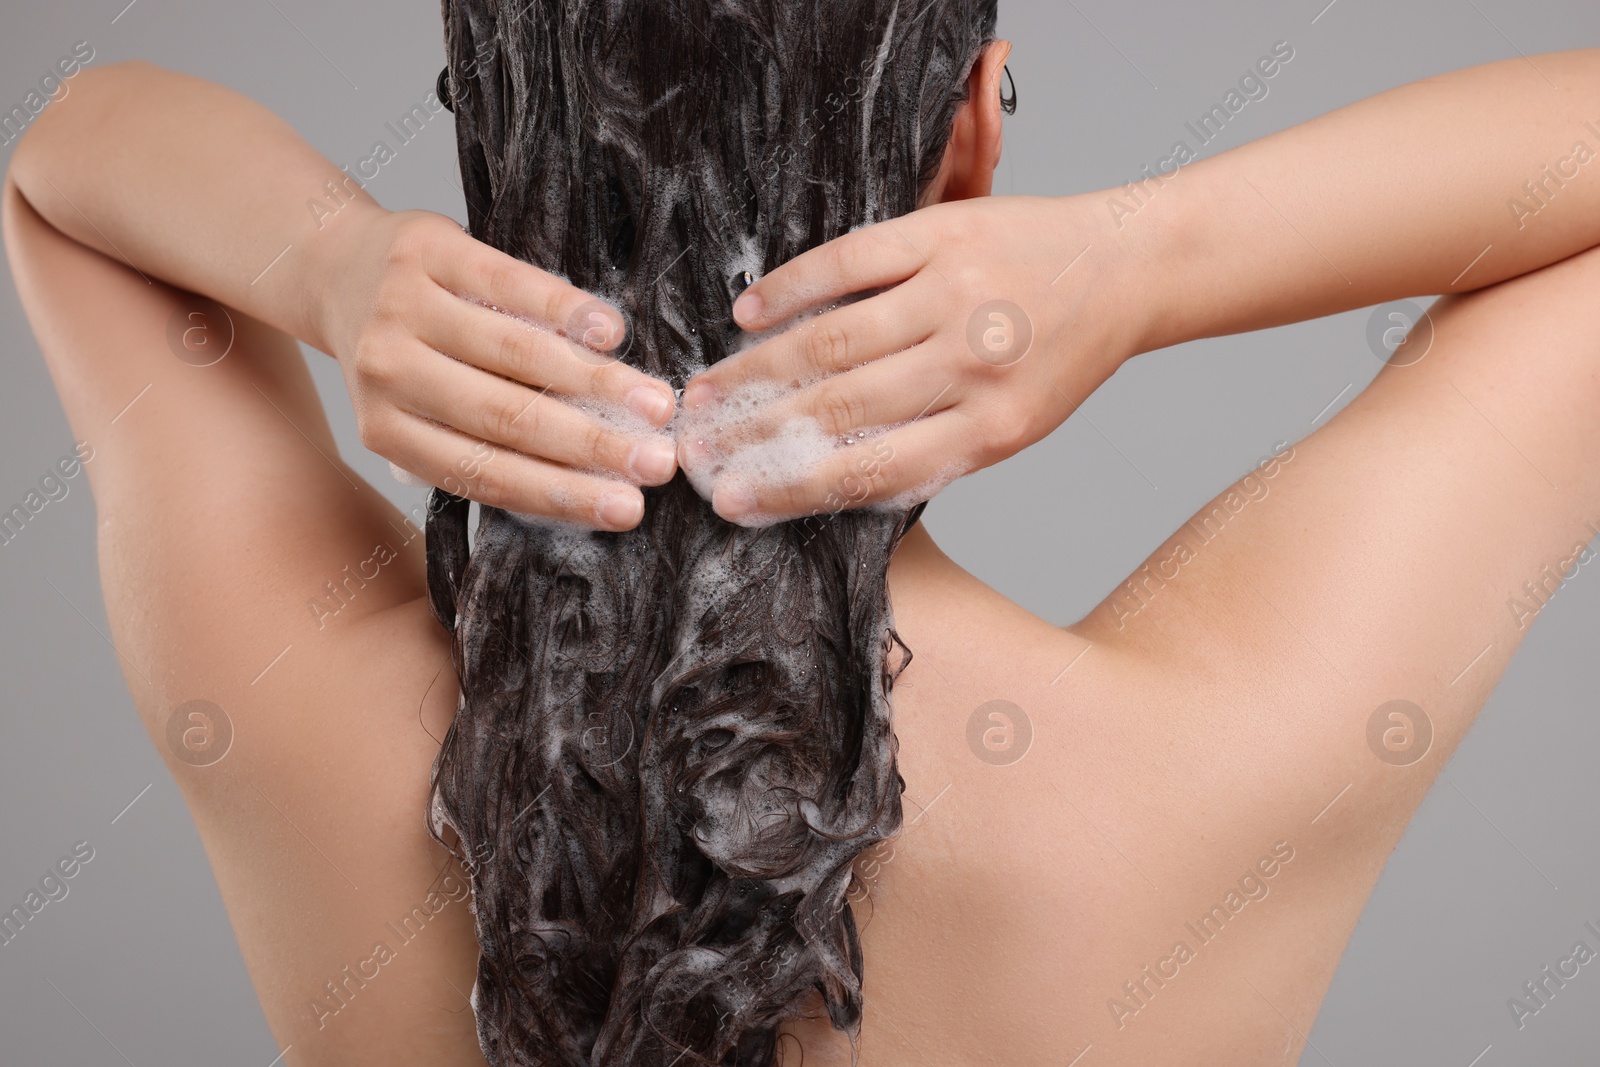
(441, 89)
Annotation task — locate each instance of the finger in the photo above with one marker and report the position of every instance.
(476, 271)
(868, 258)
(513, 348)
(903, 466)
(846, 337)
(501, 478)
(532, 421)
(885, 392)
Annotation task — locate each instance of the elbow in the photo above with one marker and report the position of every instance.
(41, 118)
(63, 112)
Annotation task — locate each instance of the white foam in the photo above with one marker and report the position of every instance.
(557, 329)
(438, 818)
(618, 417)
(565, 537)
(405, 477)
(741, 450)
(929, 489)
(729, 427)
(737, 455)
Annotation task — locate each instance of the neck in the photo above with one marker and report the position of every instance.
(917, 558)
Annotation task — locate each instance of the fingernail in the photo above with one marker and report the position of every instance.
(747, 308)
(652, 403)
(621, 511)
(732, 504)
(698, 393)
(654, 460)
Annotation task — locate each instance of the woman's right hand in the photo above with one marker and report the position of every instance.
(488, 377)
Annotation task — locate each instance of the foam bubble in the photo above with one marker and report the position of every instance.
(438, 818)
(727, 446)
(728, 453)
(405, 477)
(568, 537)
(729, 433)
(618, 417)
(927, 490)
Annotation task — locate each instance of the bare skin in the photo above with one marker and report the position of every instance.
(1211, 725)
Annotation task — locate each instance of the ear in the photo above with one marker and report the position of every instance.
(974, 149)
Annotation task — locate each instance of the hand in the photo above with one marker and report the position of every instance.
(489, 377)
(995, 329)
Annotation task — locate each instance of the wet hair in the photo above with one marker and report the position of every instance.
(673, 742)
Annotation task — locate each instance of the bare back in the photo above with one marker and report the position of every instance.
(1154, 851)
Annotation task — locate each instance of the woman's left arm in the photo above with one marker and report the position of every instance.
(1007, 312)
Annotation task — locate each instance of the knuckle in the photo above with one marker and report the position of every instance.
(514, 355)
(826, 347)
(785, 500)
(1007, 430)
(401, 292)
(601, 446)
(850, 256)
(841, 410)
(393, 302)
(408, 242)
(497, 280)
(858, 480)
(375, 432)
(509, 416)
(966, 278)
(374, 366)
(488, 485)
(554, 307)
(867, 463)
(613, 380)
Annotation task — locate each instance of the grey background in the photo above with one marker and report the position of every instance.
(138, 964)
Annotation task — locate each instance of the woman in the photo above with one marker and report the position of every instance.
(1170, 874)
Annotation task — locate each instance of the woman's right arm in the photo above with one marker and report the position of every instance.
(193, 184)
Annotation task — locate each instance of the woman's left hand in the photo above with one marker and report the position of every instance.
(1003, 314)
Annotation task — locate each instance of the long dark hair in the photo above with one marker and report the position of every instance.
(673, 742)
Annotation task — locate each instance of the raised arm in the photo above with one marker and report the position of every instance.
(1445, 185)
(195, 185)
(190, 183)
